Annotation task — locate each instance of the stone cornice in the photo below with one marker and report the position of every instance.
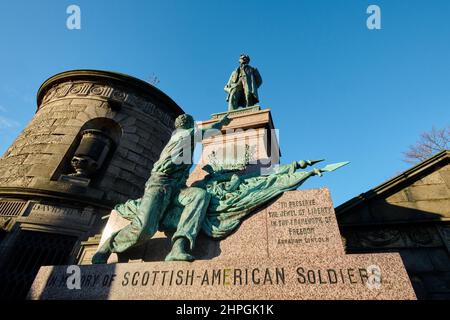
(402, 179)
(142, 87)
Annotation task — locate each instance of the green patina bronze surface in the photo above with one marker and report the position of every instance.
(231, 197)
(164, 191)
(242, 87)
(215, 205)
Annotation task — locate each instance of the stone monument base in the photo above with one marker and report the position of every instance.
(303, 277)
(297, 223)
(291, 249)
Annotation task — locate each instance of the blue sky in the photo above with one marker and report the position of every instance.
(337, 90)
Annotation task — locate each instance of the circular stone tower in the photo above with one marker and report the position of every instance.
(91, 144)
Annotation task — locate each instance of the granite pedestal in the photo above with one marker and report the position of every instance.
(291, 249)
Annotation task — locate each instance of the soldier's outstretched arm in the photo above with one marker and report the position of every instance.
(214, 129)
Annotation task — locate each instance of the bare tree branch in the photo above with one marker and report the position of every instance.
(428, 145)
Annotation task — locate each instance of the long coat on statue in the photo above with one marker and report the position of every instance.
(251, 80)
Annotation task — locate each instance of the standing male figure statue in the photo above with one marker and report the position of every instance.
(242, 87)
(167, 181)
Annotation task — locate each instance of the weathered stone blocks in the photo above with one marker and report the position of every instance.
(70, 100)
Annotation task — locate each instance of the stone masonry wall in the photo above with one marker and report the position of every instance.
(414, 221)
(146, 126)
